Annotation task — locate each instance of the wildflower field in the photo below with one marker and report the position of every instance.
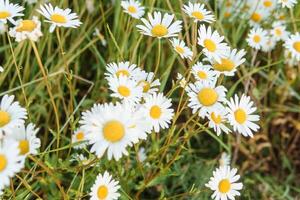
(150, 99)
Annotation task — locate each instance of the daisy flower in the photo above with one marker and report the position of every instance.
(292, 44)
(258, 15)
(212, 43)
(268, 4)
(230, 63)
(182, 80)
(148, 82)
(289, 59)
(240, 115)
(270, 45)
(203, 73)
(224, 183)
(10, 161)
(105, 188)
(160, 26)
(257, 38)
(180, 47)
(3, 28)
(217, 119)
(59, 17)
(125, 89)
(198, 13)
(203, 97)
(279, 31)
(79, 138)
(11, 115)
(224, 160)
(26, 29)
(157, 110)
(29, 143)
(133, 8)
(122, 68)
(287, 3)
(8, 11)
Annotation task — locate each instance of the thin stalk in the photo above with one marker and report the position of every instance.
(158, 59)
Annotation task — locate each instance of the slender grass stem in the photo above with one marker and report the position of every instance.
(158, 58)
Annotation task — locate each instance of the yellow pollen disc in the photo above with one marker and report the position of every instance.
(4, 118)
(278, 32)
(4, 14)
(256, 17)
(240, 116)
(122, 72)
(282, 17)
(23, 146)
(26, 25)
(155, 112)
(296, 46)
(202, 75)
(225, 65)
(227, 14)
(268, 3)
(216, 118)
(131, 9)
(207, 96)
(3, 162)
(228, 4)
(58, 18)
(113, 131)
(159, 30)
(80, 136)
(224, 186)
(179, 49)
(210, 45)
(198, 15)
(146, 86)
(102, 192)
(124, 91)
(256, 38)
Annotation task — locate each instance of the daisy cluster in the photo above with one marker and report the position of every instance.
(17, 140)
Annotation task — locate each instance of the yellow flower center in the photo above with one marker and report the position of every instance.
(296, 46)
(225, 65)
(80, 136)
(102, 192)
(146, 86)
(240, 116)
(131, 9)
(122, 72)
(227, 14)
(210, 45)
(216, 118)
(4, 14)
(282, 17)
(198, 15)
(124, 91)
(159, 30)
(26, 25)
(268, 3)
(113, 131)
(207, 96)
(3, 162)
(4, 118)
(179, 49)
(155, 112)
(278, 32)
(59, 18)
(256, 17)
(256, 38)
(202, 75)
(224, 186)
(23, 146)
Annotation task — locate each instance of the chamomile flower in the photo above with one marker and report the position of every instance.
(258, 15)
(212, 42)
(157, 110)
(229, 63)
(29, 143)
(257, 38)
(203, 97)
(160, 26)
(3, 28)
(203, 73)
(180, 47)
(11, 115)
(217, 119)
(9, 11)
(122, 68)
(133, 8)
(105, 188)
(270, 45)
(292, 44)
(198, 12)
(79, 138)
(240, 115)
(59, 17)
(26, 29)
(182, 80)
(148, 82)
(224, 183)
(279, 31)
(289, 59)
(287, 3)
(125, 89)
(268, 4)
(113, 128)
(10, 161)
(224, 160)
